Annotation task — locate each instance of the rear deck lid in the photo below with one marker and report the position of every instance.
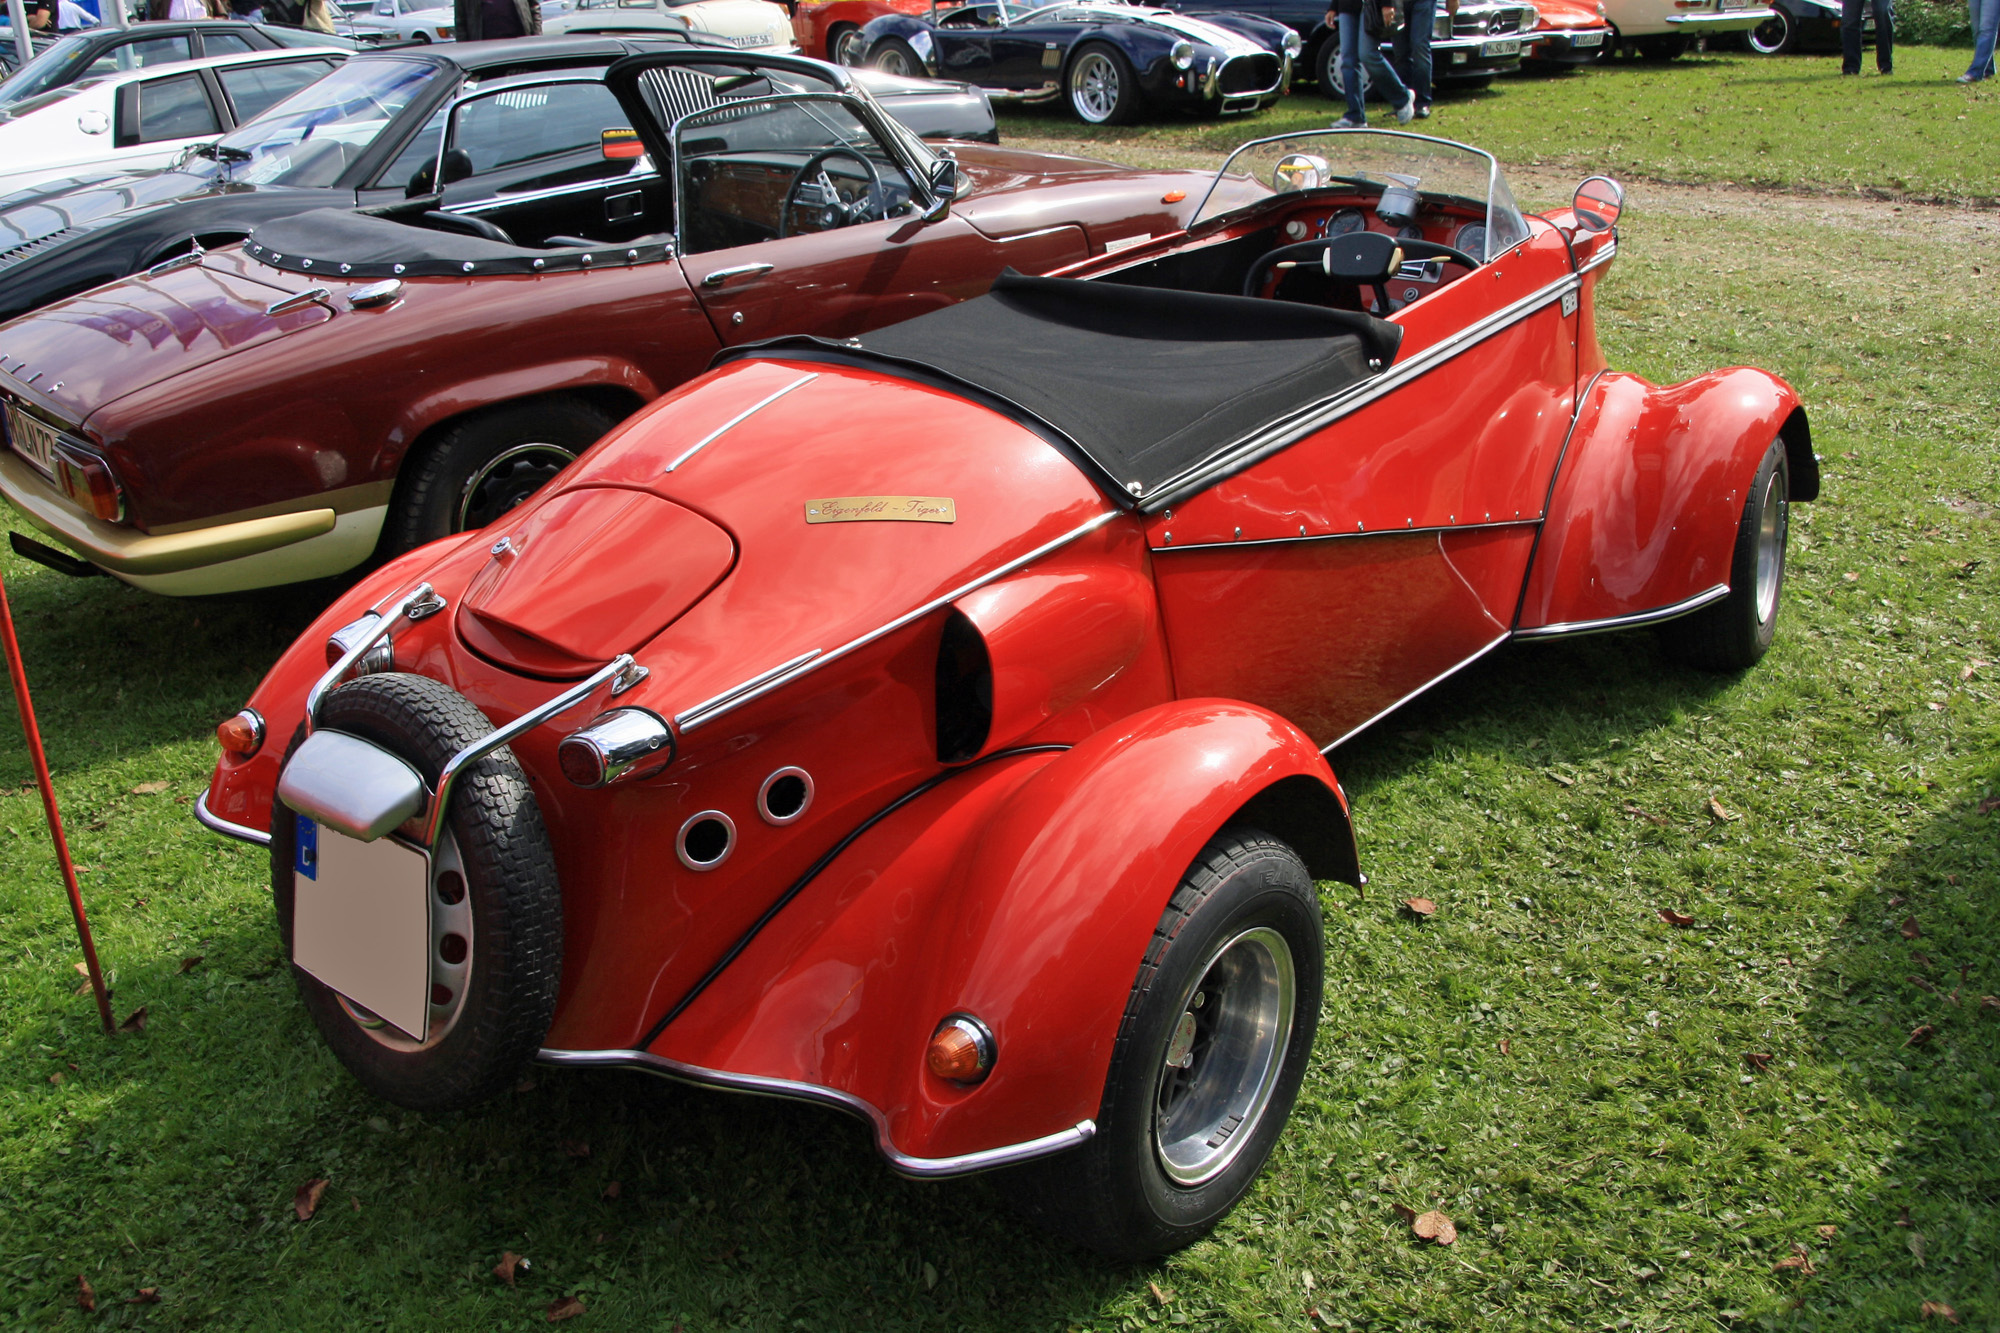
(592, 573)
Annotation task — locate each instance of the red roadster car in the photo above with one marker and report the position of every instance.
(932, 723)
(346, 385)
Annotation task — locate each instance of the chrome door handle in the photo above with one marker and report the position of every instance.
(722, 275)
(300, 300)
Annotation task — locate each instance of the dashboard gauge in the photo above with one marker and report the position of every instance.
(1345, 221)
(1409, 231)
(1471, 238)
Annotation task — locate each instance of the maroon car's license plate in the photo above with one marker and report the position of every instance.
(32, 439)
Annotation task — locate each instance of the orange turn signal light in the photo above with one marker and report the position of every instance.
(86, 479)
(243, 734)
(961, 1050)
(1173, 196)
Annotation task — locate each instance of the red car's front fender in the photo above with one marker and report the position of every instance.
(1027, 899)
(1644, 511)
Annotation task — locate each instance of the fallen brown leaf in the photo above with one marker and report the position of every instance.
(83, 969)
(146, 1296)
(1158, 1295)
(569, 1307)
(1659, 821)
(504, 1270)
(1989, 1002)
(1921, 959)
(1827, 1230)
(306, 1201)
(1673, 918)
(150, 788)
(1757, 1060)
(1506, 1046)
(1715, 808)
(85, 1297)
(1909, 930)
(188, 964)
(613, 1190)
(1966, 672)
(1562, 781)
(1660, 1151)
(1799, 1259)
(1922, 984)
(1938, 1310)
(1898, 900)
(1435, 1226)
(56, 1077)
(1407, 1214)
(1904, 1220)
(1989, 805)
(575, 1148)
(1920, 1034)
(1851, 576)
(1421, 906)
(134, 1021)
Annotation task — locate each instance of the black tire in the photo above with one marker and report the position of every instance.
(1116, 1194)
(1101, 86)
(1775, 36)
(1671, 47)
(1734, 633)
(844, 44)
(477, 1045)
(1326, 68)
(472, 471)
(893, 55)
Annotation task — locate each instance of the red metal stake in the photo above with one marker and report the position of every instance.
(27, 708)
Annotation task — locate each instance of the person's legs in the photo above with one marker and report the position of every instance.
(1351, 38)
(1885, 36)
(1985, 34)
(1413, 45)
(1385, 77)
(1850, 36)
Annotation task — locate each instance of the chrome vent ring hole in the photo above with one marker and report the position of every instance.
(706, 840)
(785, 796)
(452, 949)
(450, 888)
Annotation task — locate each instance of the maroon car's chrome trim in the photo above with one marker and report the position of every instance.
(921, 1167)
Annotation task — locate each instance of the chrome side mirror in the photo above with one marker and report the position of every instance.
(943, 187)
(1598, 203)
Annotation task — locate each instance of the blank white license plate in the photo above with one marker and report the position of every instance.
(1510, 47)
(361, 922)
(1587, 39)
(32, 439)
(1736, 4)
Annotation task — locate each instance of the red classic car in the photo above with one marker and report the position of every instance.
(346, 385)
(831, 29)
(1570, 32)
(932, 723)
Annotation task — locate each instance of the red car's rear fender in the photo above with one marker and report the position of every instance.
(1033, 915)
(1643, 513)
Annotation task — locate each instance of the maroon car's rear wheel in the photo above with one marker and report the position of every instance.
(472, 472)
(1734, 633)
(1208, 1061)
(496, 922)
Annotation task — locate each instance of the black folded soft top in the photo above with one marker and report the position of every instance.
(1145, 384)
(344, 244)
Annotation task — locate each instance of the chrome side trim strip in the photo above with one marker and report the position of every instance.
(702, 714)
(738, 420)
(1287, 431)
(1633, 621)
(1601, 258)
(923, 1168)
(215, 823)
(1528, 522)
(1435, 680)
(478, 206)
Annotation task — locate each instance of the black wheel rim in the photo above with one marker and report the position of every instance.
(508, 478)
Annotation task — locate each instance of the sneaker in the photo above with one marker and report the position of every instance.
(1968, 78)
(1350, 123)
(1408, 111)
(1423, 113)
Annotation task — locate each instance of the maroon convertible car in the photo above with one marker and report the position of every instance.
(347, 383)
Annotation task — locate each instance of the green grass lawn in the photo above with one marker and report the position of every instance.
(1545, 1060)
(1790, 122)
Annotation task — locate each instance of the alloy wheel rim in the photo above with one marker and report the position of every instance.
(507, 479)
(1094, 88)
(892, 62)
(1772, 518)
(450, 958)
(1222, 1062)
(1768, 37)
(847, 48)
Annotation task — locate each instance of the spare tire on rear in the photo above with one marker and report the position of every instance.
(496, 957)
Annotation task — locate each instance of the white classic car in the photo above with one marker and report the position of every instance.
(751, 25)
(142, 119)
(399, 21)
(1663, 29)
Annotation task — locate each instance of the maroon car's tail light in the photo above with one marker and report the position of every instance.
(706, 840)
(86, 479)
(242, 735)
(623, 744)
(961, 1050)
(785, 796)
(382, 657)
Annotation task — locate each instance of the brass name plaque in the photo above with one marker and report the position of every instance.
(882, 509)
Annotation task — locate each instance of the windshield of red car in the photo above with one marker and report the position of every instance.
(313, 136)
(1366, 161)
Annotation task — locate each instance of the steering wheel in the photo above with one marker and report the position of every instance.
(1309, 252)
(468, 226)
(849, 213)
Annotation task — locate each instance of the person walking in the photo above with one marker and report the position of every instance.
(1413, 48)
(1985, 31)
(1850, 36)
(1361, 25)
(489, 20)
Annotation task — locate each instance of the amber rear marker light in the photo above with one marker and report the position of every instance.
(86, 479)
(242, 734)
(961, 1050)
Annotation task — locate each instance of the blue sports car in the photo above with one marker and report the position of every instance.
(1113, 61)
